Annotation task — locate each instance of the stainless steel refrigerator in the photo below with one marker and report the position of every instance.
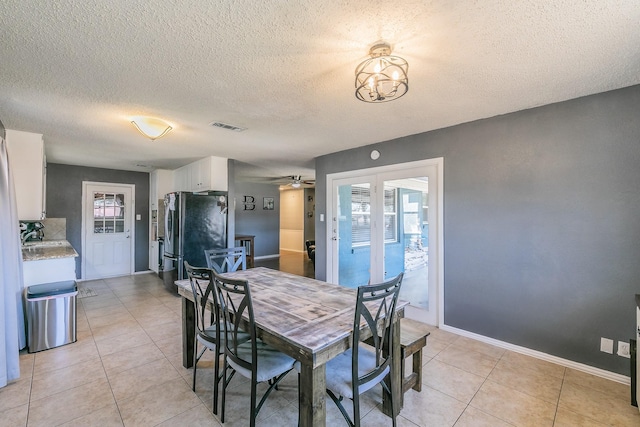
(193, 222)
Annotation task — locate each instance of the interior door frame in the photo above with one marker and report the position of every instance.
(438, 245)
(86, 222)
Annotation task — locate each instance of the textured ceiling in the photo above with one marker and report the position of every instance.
(76, 70)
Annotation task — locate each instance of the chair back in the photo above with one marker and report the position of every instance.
(203, 288)
(310, 245)
(375, 313)
(226, 260)
(234, 298)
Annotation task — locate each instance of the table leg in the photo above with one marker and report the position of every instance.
(396, 385)
(417, 369)
(312, 409)
(188, 332)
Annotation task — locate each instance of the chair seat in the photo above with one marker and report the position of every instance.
(270, 364)
(339, 372)
(208, 337)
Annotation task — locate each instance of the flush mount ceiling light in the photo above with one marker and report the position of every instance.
(383, 77)
(151, 127)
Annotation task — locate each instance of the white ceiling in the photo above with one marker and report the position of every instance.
(76, 70)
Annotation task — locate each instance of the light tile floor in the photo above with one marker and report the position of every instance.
(126, 369)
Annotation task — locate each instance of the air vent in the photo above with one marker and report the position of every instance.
(227, 126)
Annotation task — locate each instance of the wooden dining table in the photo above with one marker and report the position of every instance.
(308, 319)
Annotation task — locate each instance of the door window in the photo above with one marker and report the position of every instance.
(361, 215)
(108, 213)
(352, 233)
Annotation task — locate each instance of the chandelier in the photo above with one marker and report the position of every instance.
(383, 77)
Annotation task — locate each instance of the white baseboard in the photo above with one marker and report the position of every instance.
(542, 356)
(267, 257)
(135, 273)
(143, 272)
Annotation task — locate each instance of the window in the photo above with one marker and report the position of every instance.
(361, 215)
(390, 215)
(108, 213)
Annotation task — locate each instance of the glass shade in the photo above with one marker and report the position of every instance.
(151, 127)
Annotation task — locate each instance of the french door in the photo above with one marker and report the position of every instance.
(387, 220)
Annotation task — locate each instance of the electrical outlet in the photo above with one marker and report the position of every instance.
(606, 345)
(623, 349)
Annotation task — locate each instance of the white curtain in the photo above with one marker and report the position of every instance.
(12, 330)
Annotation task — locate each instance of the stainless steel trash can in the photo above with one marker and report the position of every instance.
(51, 315)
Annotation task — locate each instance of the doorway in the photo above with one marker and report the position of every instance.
(107, 229)
(297, 222)
(388, 220)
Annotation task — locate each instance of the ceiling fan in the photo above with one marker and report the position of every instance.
(295, 181)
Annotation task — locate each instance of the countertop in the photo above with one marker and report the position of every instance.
(47, 249)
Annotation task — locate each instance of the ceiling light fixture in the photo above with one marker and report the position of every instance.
(296, 181)
(151, 127)
(382, 77)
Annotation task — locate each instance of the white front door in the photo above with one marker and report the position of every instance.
(388, 220)
(107, 221)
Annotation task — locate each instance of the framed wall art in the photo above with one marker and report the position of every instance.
(268, 203)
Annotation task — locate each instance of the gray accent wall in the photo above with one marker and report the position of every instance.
(541, 222)
(64, 200)
(263, 224)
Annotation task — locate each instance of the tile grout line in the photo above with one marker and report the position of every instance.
(555, 415)
(478, 390)
(33, 369)
(102, 364)
(155, 344)
(100, 356)
(90, 332)
(105, 373)
(72, 388)
(467, 405)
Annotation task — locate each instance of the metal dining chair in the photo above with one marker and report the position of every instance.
(252, 359)
(209, 332)
(226, 260)
(358, 369)
(311, 246)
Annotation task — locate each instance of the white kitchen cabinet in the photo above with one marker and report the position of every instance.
(198, 175)
(209, 173)
(28, 166)
(182, 179)
(213, 174)
(153, 256)
(161, 182)
(48, 261)
(48, 271)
